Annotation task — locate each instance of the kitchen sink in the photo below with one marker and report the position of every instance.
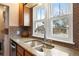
(40, 49)
(33, 43)
(38, 45)
(43, 47)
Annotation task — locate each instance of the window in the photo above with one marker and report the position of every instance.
(38, 22)
(55, 19)
(60, 20)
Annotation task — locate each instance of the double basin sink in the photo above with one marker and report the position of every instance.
(38, 45)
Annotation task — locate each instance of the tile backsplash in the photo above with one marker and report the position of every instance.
(14, 31)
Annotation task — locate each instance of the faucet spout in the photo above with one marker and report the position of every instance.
(44, 34)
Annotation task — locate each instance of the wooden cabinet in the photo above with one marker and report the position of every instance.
(24, 15)
(20, 51)
(18, 54)
(28, 53)
(21, 14)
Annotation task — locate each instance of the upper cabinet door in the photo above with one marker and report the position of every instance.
(21, 15)
(24, 15)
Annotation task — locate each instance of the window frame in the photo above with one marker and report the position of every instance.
(70, 34)
(39, 20)
(48, 26)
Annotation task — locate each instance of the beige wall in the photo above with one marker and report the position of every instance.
(1, 22)
(13, 13)
(13, 21)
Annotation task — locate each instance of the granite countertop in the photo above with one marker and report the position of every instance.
(49, 52)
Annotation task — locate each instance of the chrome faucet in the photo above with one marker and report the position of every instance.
(44, 35)
(45, 39)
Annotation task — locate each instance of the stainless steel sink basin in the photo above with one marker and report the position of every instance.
(38, 45)
(33, 43)
(43, 47)
(40, 49)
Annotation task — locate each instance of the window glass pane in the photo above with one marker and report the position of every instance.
(39, 27)
(42, 13)
(65, 8)
(38, 13)
(60, 27)
(54, 9)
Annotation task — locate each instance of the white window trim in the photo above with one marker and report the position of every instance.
(70, 39)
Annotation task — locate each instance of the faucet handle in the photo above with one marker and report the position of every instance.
(49, 41)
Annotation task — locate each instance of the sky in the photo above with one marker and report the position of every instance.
(55, 7)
